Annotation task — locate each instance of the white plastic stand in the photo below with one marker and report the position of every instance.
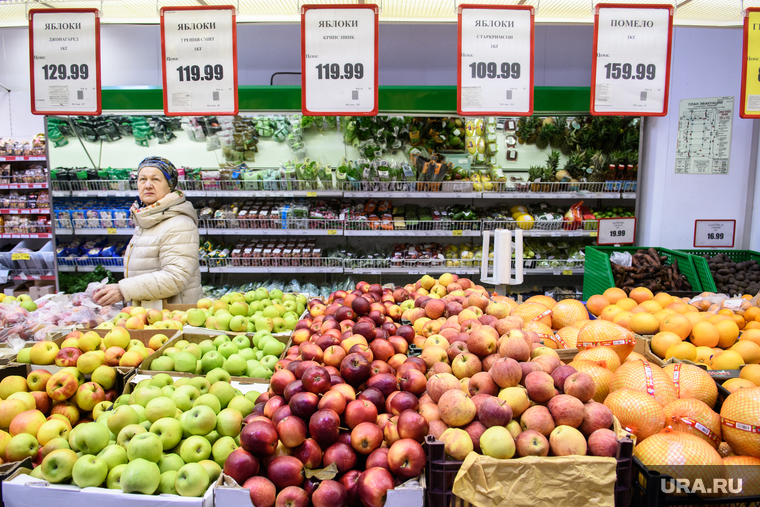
(502, 259)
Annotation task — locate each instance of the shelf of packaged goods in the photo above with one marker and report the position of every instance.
(20, 158)
(551, 195)
(273, 265)
(391, 227)
(413, 195)
(23, 211)
(112, 269)
(548, 228)
(104, 232)
(22, 186)
(276, 226)
(32, 235)
(104, 193)
(272, 232)
(274, 269)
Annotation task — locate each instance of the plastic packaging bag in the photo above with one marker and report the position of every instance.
(624, 259)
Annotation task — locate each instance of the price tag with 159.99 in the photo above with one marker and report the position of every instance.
(339, 59)
(616, 231)
(630, 71)
(199, 60)
(65, 61)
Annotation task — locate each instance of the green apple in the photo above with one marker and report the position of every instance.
(212, 437)
(273, 348)
(168, 391)
(146, 446)
(300, 298)
(278, 325)
(140, 410)
(264, 323)
(213, 469)
(212, 359)
(143, 394)
(54, 445)
(261, 294)
(170, 461)
(223, 321)
(259, 355)
(210, 401)
(185, 362)
(235, 365)
(259, 335)
(192, 480)
(223, 391)
(276, 294)
(184, 396)
(163, 363)
(218, 375)
(242, 404)
(89, 471)
(227, 349)
(57, 466)
(264, 303)
(140, 476)
(200, 383)
(239, 308)
(250, 296)
(242, 342)
(269, 362)
(290, 321)
(198, 368)
(169, 431)
(181, 381)
(252, 308)
(256, 370)
(114, 455)
(199, 420)
(92, 437)
(72, 438)
(160, 407)
(206, 346)
(181, 344)
(113, 480)
(195, 449)
(248, 354)
(223, 448)
(196, 317)
(251, 328)
(121, 400)
(171, 352)
(128, 433)
(161, 380)
(37, 472)
(220, 340)
(194, 349)
(166, 485)
(24, 356)
(229, 422)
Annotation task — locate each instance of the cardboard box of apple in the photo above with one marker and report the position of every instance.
(136, 317)
(238, 356)
(164, 437)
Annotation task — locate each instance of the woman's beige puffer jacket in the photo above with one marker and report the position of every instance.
(161, 261)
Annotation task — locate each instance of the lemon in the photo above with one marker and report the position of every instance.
(520, 208)
(525, 222)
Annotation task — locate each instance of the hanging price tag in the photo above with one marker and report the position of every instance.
(111, 230)
(339, 59)
(750, 98)
(616, 231)
(199, 60)
(495, 72)
(64, 61)
(714, 233)
(20, 257)
(630, 70)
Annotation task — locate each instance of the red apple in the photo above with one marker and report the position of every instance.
(413, 381)
(309, 453)
(359, 411)
(482, 383)
(374, 396)
(412, 425)
(324, 426)
(366, 437)
(342, 455)
(259, 438)
(402, 401)
(329, 493)
(373, 486)
(285, 471)
(531, 443)
(262, 491)
(292, 496)
(406, 458)
(355, 369)
(280, 380)
(292, 431)
(303, 404)
(316, 380)
(350, 481)
(494, 411)
(241, 465)
(292, 389)
(334, 401)
(378, 458)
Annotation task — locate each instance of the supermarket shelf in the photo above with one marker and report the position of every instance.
(67, 269)
(17, 211)
(273, 232)
(61, 193)
(22, 159)
(274, 269)
(415, 195)
(551, 195)
(33, 235)
(412, 271)
(628, 195)
(64, 231)
(413, 232)
(540, 271)
(103, 193)
(112, 269)
(23, 277)
(22, 186)
(104, 232)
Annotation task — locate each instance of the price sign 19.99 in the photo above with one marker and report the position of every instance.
(616, 231)
(495, 72)
(65, 61)
(630, 72)
(199, 57)
(339, 59)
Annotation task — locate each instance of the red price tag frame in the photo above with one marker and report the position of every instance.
(599, 228)
(745, 42)
(733, 237)
(670, 8)
(305, 8)
(99, 111)
(459, 57)
(234, 57)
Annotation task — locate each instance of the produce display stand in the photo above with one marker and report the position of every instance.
(7, 470)
(703, 270)
(598, 273)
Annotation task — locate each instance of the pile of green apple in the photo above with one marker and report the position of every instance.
(165, 437)
(240, 356)
(258, 310)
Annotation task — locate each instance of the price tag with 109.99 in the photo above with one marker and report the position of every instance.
(65, 61)
(339, 59)
(199, 60)
(616, 231)
(630, 71)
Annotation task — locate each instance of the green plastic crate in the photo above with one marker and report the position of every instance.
(703, 270)
(597, 275)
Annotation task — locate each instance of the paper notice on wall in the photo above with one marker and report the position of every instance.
(704, 135)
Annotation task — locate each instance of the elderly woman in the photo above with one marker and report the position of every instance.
(161, 261)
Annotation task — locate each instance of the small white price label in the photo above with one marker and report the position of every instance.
(630, 71)
(495, 72)
(714, 233)
(199, 60)
(616, 231)
(65, 61)
(339, 59)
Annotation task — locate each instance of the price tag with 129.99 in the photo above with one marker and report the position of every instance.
(339, 59)
(630, 71)
(616, 231)
(65, 61)
(199, 60)
(495, 71)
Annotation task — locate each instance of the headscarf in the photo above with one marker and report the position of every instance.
(163, 165)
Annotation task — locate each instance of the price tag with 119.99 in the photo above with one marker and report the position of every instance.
(339, 59)
(630, 71)
(495, 71)
(65, 61)
(616, 231)
(199, 60)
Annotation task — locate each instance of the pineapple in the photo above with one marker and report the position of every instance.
(576, 164)
(545, 135)
(535, 172)
(598, 167)
(558, 140)
(550, 171)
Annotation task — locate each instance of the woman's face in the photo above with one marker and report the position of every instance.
(151, 185)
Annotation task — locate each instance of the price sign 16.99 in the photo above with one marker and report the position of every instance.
(199, 56)
(495, 72)
(65, 61)
(714, 233)
(339, 59)
(631, 66)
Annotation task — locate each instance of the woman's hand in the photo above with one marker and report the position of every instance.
(108, 295)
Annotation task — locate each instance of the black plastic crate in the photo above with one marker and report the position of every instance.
(647, 492)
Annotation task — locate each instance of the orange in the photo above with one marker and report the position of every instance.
(639, 309)
(694, 317)
(610, 312)
(691, 309)
(644, 323)
(663, 299)
(651, 306)
(614, 294)
(626, 303)
(719, 318)
(683, 350)
(704, 334)
(641, 294)
(749, 351)
(739, 320)
(623, 319)
(679, 306)
(752, 335)
(728, 331)
(597, 303)
(677, 324)
(661, 342)
(728, 360)
(726, 311)
(734, 384)
(748, 297)
(704, 355)
(752, 325)
(751, 313)
(751, 372)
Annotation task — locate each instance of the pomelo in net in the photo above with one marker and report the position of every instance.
(579, 324)
(694, 417)
(634, 356)
(604, 333)
(636, 374)
(600, 375)
(566, 312)
(692, 382)
(569, 335)
(747, 469)
(740, 421)
(537, 327)
(547, 301)
(603, 356)
(530, 311)
(637, 412)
